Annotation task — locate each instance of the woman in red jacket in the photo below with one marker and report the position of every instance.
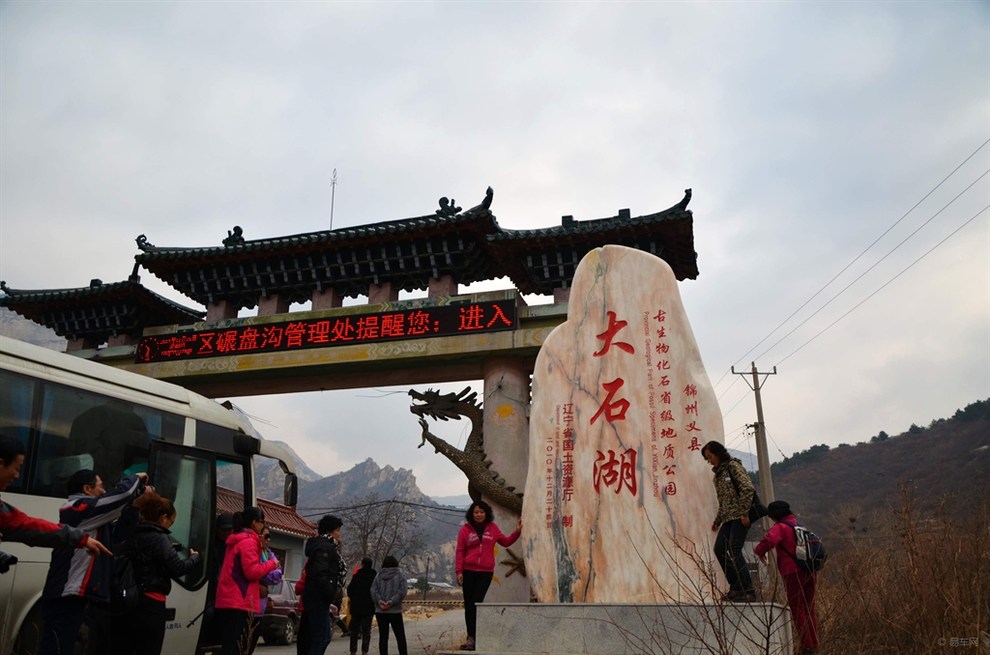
(798, 583)
(476, 560)
(238, 597)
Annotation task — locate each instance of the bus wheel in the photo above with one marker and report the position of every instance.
(28, 640)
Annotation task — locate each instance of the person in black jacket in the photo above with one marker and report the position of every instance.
(156, 563)
(324, 576)
(362, 608)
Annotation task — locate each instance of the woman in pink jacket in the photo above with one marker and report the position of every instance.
(798, 583)
(238, 597)
(476, 560)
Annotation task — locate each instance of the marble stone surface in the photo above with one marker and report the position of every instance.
(619, 501)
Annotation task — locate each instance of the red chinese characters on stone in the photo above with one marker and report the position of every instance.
(614, 411)
(618, 472)
(609, 335)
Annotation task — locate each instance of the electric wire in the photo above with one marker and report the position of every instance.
(904, 270)
(865, 250)
(875, 264)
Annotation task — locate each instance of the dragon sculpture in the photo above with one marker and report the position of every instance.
(482, 480)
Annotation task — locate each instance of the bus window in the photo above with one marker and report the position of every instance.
(16, 401)
(79, 429)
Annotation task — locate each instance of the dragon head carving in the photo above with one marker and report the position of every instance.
(443, 407)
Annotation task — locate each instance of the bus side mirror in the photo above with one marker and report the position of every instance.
(291, 489)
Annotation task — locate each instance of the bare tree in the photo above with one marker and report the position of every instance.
(375, 528)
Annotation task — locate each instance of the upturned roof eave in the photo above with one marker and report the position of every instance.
(480, 223)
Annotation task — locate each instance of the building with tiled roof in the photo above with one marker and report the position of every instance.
(98, 313)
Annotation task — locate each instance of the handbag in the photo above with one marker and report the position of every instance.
(757, 510)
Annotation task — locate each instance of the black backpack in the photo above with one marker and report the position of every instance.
(125, 590)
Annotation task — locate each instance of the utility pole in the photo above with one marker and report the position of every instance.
(762, 457)
(427, 583)
(333, 190)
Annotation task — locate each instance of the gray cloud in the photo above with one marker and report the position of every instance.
(806, 130)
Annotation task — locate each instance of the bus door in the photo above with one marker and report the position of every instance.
(186, 476)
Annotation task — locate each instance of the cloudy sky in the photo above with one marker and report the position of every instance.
(837, 152)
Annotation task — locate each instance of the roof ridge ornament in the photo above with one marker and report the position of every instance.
(235, 237)
(485, 205)
(448, 208)
(143, 244)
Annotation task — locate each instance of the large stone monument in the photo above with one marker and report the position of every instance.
(619, 501)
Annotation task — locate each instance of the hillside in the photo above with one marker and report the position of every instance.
(846, 490)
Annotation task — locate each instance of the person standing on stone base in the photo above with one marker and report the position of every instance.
(475, 562)
(798, 583)
(362, 607)
(732, 520)
(387, 592)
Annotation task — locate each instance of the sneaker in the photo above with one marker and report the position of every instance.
(739, 597)
(469, 644)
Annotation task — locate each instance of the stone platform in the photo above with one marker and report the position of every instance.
(632, 629)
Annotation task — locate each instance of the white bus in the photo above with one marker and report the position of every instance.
(71, 414)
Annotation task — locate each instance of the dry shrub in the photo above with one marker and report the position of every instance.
(915, 582)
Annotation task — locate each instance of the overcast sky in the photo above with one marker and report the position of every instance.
(806, 130)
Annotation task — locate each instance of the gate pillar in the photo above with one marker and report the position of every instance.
(506, 434)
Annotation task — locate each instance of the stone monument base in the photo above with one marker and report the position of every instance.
(627, 629)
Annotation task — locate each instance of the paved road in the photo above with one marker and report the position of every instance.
(440, 631)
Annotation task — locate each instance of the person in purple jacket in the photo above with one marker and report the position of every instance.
(475, 563)
(273, 577)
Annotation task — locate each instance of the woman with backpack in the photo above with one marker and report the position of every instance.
(799, 583)
(155, 563)
(735, 492)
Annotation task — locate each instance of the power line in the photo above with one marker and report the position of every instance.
(855, 259)
(904, 270)
(875, 264)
